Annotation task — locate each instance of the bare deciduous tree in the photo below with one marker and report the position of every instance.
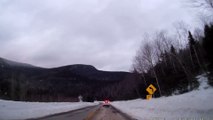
(181, 29)
(207, 4)
(206, 10)
(146, 58)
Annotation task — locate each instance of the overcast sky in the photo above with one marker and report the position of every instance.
(102, 33)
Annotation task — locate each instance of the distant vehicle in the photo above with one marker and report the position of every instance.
(106, 103)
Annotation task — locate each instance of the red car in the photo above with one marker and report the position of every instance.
(106, 103)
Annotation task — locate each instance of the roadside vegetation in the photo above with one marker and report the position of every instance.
(171, 62)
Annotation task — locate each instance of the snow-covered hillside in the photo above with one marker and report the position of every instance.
(12, 110)
(195, 105)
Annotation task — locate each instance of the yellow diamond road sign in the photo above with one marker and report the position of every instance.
(151, 89)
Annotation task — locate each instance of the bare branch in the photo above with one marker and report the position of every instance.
(206, 4)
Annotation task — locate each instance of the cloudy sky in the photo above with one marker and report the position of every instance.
(103, 33)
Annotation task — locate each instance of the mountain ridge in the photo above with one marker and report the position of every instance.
(14, 63)
(32, 83)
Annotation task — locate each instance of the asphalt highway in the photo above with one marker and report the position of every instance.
(98, 112)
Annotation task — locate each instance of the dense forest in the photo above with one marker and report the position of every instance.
(172, 67)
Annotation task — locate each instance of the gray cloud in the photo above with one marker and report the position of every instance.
(103, 33)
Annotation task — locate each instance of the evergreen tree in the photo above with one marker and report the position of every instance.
(192, 41)
(194, 52)
(172, 49)
(191, 48)
(208, 43)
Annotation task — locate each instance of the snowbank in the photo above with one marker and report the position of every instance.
(13, 110)
(195, 105)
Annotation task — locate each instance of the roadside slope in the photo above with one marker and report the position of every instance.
(196, 104)
(13, 110)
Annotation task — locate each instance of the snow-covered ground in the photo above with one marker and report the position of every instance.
(195, 105)
(13, 110)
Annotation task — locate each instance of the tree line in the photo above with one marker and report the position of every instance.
(171, 63)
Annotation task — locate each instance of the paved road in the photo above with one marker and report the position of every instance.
(110, 113)
(90, 113)
(80, 114)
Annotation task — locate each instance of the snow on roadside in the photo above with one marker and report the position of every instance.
(14, 110)
(194, 105)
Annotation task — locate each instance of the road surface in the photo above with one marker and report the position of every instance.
(110, 113)
(89, 113)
